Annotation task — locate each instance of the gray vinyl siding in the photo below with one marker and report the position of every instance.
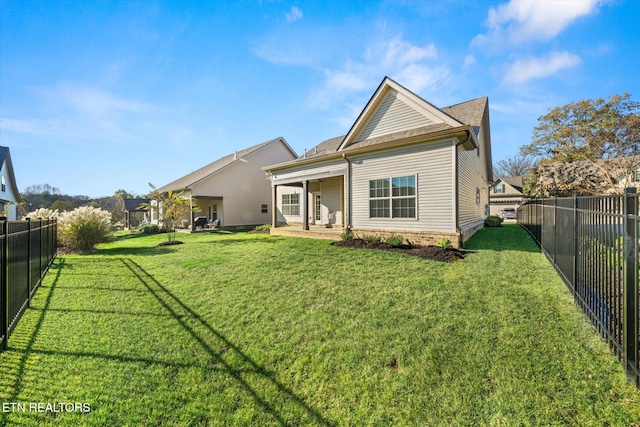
(433, 165)
(331, 197)
(471, 176)
(392, 115)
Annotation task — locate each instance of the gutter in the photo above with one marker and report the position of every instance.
(406, 140)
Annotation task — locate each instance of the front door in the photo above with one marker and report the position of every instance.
(317, 208)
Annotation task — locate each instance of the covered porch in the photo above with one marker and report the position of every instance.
(310, 205)
(205, 206)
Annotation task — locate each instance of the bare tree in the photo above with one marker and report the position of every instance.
(517, 165)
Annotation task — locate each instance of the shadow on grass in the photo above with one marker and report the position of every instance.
(16, 387)
(509, 237)
(167, 299)
(144, 251)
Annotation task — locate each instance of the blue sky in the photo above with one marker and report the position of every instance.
(96, 96)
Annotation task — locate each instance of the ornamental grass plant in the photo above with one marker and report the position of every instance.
(81, 229)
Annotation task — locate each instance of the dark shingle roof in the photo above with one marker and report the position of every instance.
(133, 205)
(325, 147)
(3, 154)
(469, 112)
(514, 181)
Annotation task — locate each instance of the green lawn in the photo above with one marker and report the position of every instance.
(258, 330)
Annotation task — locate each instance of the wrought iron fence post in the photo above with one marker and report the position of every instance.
(29, 249)
(575, 245)
(40, 257)
(4, 321)
(555, 226)
(630, 292)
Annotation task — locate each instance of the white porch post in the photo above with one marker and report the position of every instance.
(346, 188)
(274, 206)
(305, 205)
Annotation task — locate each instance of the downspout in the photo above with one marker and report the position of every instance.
(457, 183)
(347, 193)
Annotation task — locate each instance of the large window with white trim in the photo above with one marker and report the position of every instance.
(291, 204)
(393, 197)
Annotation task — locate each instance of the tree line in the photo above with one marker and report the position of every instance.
(45, 196)
(589, 147)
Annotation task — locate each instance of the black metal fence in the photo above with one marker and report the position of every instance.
(27, 249)
(592, 243)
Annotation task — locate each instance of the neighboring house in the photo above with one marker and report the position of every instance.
(405, 167)
(8, 189)
(136, 212)
(506, 193)
(233, 189)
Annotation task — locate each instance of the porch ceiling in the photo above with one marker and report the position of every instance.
(289, 180)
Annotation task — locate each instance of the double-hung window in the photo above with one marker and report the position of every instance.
(291, 204)
(393, 197)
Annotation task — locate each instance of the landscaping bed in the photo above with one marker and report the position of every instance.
(431, 252)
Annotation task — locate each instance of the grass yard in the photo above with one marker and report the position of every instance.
(246, 329)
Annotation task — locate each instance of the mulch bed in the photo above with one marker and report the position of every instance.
(170, 243)
(431, 252)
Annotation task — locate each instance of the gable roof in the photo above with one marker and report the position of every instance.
(5, 159)
(392, 102)
(220, 164)
(514, 181)
(389, 102)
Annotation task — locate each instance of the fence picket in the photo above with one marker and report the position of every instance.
(603, 270)
(19, 240)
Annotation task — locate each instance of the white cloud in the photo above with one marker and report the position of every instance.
(94, 101)
(531, 68)
(410, 65)
(420, 78)
(81, 112)
(294, 15)
(469, 60)
(399, 52)
(346, 80)
(521, 21)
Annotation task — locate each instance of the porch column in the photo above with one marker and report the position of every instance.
(346, 189)
(305, 205)
(274, 206)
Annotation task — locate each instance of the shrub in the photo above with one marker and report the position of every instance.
(445, 243)
(346, 234)
(150, 229)
(83, 227)
(371, 238)
(493, 221)
(263, 227)
(394, 240)
(43, 213)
